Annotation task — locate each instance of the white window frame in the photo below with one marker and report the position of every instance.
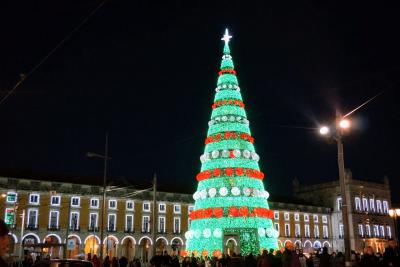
(57, 218)
(77, 220)
(316, 231)
(177, 231)
(163, 229)
(315, 218)
(339, 203)
(34, 195)
(6, 212)
(372, 204)
(388, 231)
(361, 230)
(325, 231)
(307, 231)
(286, 216)
(162, 205)
(143, 207)
(115, 204)
(297, 230)
(324, 219)
(126, 222)
(385, 205)
(190, 209)
(127, 204)
(365, 204)
(306, 217)
(287, 230)
(368, 230)
(115, 221)
(148, 224)
(276, 215)
(12, 193)
(277, 227)
(179, 208)
(36, 217)
(98, 203)
(96, 223)
(375, 230)
(55, 197)
(357, 202)
(382, 230)
(72, 202)
(341, 231)
(297, 217)
(379, 206)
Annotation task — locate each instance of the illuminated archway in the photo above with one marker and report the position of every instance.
(128, 247)
(92, 245)
(145, 244)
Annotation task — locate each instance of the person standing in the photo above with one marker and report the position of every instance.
(391, 257)
(4, 243)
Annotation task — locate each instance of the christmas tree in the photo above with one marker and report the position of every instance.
(230, 201)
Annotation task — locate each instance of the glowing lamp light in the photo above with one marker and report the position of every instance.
(344, 124)
(324, 130)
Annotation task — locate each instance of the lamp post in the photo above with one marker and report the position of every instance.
(340, 126)
(395, 213)
(105, 157)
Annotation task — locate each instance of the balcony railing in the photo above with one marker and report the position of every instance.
(145, 231)
(111, 229)
(129, 230)
(32, 227)
(177, 232)
(53, 228)
(93, 229)
(74, 228)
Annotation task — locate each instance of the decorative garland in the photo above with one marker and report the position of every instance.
(228, 135)
(251, 173)
(231, 212)
(234, 191)
(227, 71)
(224, 102)
(227, 86)
(225, 153)
(226, 118)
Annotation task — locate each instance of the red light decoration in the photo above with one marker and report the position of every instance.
(226, 71)
(251, 173)
(232, 102)
(228, 136)
(232, 211)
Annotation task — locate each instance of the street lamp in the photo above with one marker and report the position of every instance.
(105, 157)
(394, 213)
(340, 126)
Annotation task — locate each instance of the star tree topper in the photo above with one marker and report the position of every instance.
(226, 37)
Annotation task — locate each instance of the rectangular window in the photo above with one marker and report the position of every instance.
(55, 200)
(357, 201)
(11, 197)
(339, 203)
(146, 206)
(324, 219)
(112, 222)
(129, 223)
(315, 218)
(75, 201)
(94, 203)
(368, 230)
(112, 204)
(93, 221)
(286, 216)
(287, 230)
(372, 204)
(379, 206)
(365, 204)
(177, 225)
(190, 209)
(388, 231)
(146, 224)
(276, 215)
(53, 219)
(161, 224)
(376, 230)
(307, 231)
(341, 231)
(297, 230)
(32, 218)
(306, 217)
(177, 209)
(34, 199)
(130, 205)
(325, 231)
(9, 216)
(382, 230)
(385, 207)
(316, 231)
(162, 208)
(276, 225)
(361, 230)
(74, 221)
(296, 217)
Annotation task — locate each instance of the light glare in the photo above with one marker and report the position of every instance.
(344, 124)
(324, 130)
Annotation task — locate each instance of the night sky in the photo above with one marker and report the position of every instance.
(146, 73)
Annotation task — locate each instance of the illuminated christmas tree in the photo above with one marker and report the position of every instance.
(230, 201)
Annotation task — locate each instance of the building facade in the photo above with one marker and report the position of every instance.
(369, 220)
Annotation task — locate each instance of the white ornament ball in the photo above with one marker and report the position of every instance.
(206, 156)
(237, 153)
(203, 194)
(217, 233)
(235, 191)
(224, 86)
(217, 89)
(256, 193)
(215, 154)
(266, 195)
(246, 191)
(269, 232)
(225, 153)
(230, 86)
(255, 156)
(197, 233)
(224, 118)
(261, 231)
(196, 196)
(217, 119)
(246, 154)
(207, 232)
(232, 118)
(223, 191)
(275, 233)
(212, 192)
(189, 234)
(238, 118)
